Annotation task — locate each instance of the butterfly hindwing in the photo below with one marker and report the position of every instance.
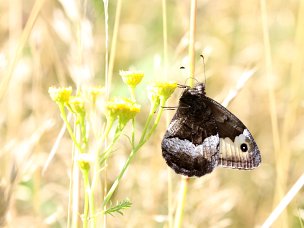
(234, 139)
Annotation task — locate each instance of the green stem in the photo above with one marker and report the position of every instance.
(132, 91)
(133, 133)
(89, 204)
(115, 184)
(85, 176)
(181, 203)
(107, 131)
(96, 155)
(83, 130)
(135, 149)
(92, 208)
(149, 119)
(68, 126)
(170, 200)
(157, 119)
(108, 150)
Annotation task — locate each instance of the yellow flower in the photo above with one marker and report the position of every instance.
(161, 90)
(122, 109)
(61, 94)
(131, 78)
(77, 104)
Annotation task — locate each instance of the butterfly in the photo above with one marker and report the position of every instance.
(203, 135)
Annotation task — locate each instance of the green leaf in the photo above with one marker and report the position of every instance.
(119, 207)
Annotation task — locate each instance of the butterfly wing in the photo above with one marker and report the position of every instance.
(237, 146)
(191, 143)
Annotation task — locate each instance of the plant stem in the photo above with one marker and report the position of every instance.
(147, 125)
(135, 150)
(157, 119)
(184, 181)
(107, 151)
(96, 155)
(68, 126)
(109, 125)
(80, 149)
(106, 17)
(115, 184)
(290, 195)
(83, 131)
(181, 204)
(108, 86)
(191, 52)
(89, 204)
(170, 203)
(132, 92)
(5, 80)
(133, 133)
(114, 40)
(74, 190)
(165, 37)
(92, 207)
(279, 152)
(85, 176)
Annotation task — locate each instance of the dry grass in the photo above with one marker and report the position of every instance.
(40, 48)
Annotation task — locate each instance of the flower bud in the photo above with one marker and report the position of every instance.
(77, 105)
(84, 160)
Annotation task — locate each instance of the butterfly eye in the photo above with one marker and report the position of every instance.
(244, 147)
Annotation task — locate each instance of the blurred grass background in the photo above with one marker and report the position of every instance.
(228, 33)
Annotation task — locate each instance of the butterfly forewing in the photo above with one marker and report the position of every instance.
(191, 143)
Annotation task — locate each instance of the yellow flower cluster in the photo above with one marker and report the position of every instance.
(61, 94)
(122, 109)
(131, 78)
(161, 90)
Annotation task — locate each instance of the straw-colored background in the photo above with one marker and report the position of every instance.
(228, 33)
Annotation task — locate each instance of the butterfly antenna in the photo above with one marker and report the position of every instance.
(185, 86)
(180, 85)
(204, 68)
(192, 79)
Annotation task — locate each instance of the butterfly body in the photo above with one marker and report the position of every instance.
(203, 135)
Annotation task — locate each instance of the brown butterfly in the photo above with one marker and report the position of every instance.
(203, 135)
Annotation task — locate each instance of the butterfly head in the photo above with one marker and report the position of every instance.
(198, 89)
(191, 97)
